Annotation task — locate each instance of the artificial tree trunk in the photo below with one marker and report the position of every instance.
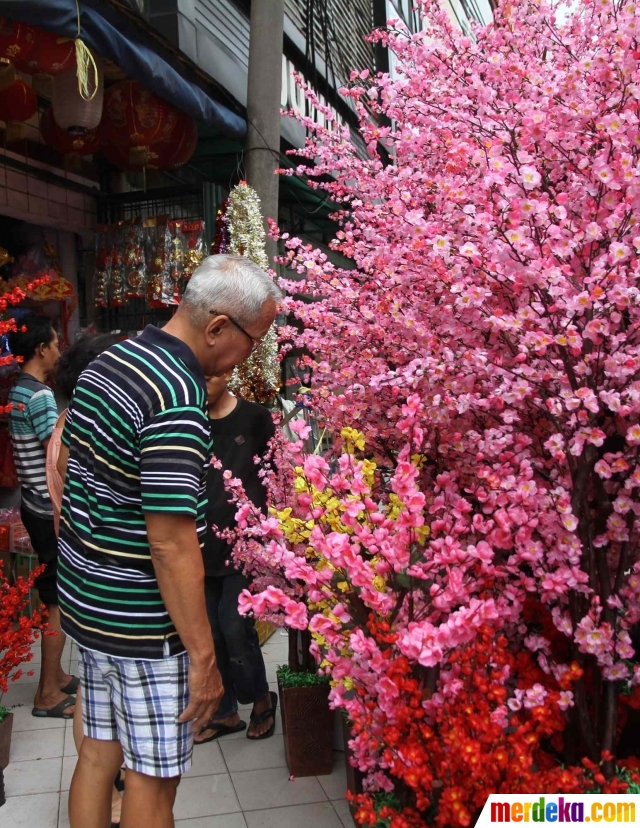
(6, 727)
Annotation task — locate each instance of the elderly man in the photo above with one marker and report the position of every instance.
(131, 576)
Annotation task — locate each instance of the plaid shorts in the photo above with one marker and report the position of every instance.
(137, 703)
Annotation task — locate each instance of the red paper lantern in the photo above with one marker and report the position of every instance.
(182, 144)
(18, 102)
(50, 55)
(167, 154)
(135, 117)
(16, 39)
(62, 141)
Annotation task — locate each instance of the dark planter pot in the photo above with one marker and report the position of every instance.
(6, 726)
(307, 724)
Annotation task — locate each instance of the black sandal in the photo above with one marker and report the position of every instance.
(56, 712)
(72, 687)
(258, 718)
(220, 730)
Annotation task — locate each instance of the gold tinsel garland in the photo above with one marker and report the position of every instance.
(257, 378)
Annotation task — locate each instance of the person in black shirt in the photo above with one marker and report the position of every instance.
(240, 431)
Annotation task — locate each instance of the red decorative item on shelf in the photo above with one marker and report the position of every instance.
(16, 39)
(49, 55)
(18, 102)
(62, 141)
(136, 119)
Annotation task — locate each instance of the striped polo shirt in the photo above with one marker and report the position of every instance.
(31, 421)
(139, 443)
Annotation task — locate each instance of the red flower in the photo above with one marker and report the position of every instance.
(17, 631)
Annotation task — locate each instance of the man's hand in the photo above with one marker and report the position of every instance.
(177, 560)
(205, 694)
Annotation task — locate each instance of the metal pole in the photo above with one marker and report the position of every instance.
(262, 150)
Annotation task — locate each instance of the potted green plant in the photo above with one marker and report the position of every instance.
(307, 721)
(17, 635)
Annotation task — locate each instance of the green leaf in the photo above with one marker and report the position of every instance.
(304, 678)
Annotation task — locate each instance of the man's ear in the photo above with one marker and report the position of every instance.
(214, 328)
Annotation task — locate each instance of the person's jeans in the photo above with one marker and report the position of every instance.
(238, 652)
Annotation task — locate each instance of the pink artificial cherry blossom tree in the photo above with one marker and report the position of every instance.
(486, 345)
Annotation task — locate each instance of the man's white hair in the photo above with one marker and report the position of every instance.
(228, 284)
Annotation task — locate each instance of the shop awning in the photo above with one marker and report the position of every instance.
(116, 37)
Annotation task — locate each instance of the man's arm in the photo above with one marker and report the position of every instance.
(177, 561)
(43, 413)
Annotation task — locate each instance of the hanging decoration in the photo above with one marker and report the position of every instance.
(133, 259)
(49, 55)
(117, 285)
(89, 70)
(139, 130)
(16, 42)
(157, 244)
(103, 266)
(182, 145)
(220, 243)
(16, 39)
(194, 248)
(62, 141)
(241, 232)
(171, 284)
(136, 120)
(167, 154)
(18, 103)
(150, 259)
(73, 110)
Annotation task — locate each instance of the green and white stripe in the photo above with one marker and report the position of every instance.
(139, 442)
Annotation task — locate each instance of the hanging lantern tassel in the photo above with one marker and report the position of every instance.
(78, 93)
(87, 66)
(257, 379)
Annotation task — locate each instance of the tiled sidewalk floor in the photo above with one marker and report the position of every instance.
(234, 783)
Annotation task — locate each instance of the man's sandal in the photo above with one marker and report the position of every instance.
(259, 718)
(220, 730)
(56, 712)
(72, 687)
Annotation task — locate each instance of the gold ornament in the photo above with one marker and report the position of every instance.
(257, 378)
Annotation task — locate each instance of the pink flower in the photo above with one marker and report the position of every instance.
(529, 177)
(566, 700)
(633, 435)
(618, 252)
(535, 696)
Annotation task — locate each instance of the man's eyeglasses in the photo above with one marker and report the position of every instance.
(255, 341)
